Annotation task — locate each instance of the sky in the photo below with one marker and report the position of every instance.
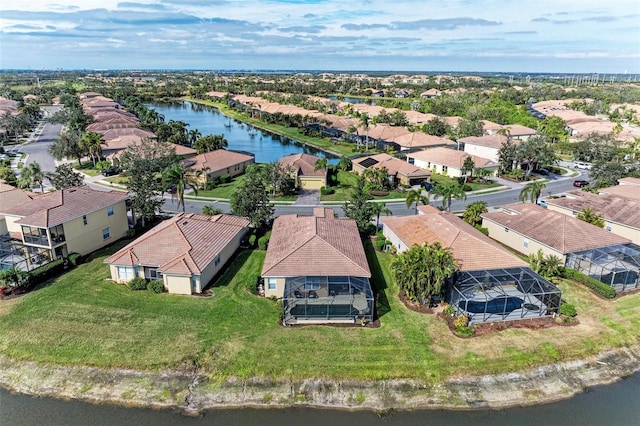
(554, 36)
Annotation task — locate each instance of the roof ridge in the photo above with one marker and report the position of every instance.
(335, 249)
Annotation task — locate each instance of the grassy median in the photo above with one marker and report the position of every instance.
(81, 318)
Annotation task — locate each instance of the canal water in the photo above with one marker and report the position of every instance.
(611, 405)
(267, 147)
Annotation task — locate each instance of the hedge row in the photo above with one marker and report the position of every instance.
(601, 288)
(44, 272)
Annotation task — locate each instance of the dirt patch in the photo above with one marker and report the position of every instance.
(369, 324)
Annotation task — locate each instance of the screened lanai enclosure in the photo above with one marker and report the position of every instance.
(503, 295)
(341, 299)
(617, 266)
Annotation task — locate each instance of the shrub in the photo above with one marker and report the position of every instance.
(252, 240)
(461, 321)
(75, 258)
(44, 272)
(137, 284)
(466, 188)
(567, 309)
(380, 243)
(327, 191)
(225, 179)
(155, 286)
(449, 310)
(465, 331)
(252, 282)
(264, 241)
(485, 231)
(601, 288)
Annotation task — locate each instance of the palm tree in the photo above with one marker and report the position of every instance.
(344, 163)
(532, 191)
(193, 136)
(210, 210)
(448, 191)
(180, 177)
(473, 211)
(364, 122)
(35, 174)
(91, 143)
(469, 166)
(379, 208)
(587, 215)
(415, 196)
(321, 164)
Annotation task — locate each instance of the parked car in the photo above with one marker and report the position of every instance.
(582, 166)
(580, 183)
(428, 186)
(110, 171)
(544, 172)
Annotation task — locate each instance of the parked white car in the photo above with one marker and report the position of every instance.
(582, 166)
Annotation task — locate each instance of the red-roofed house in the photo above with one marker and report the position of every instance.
(303, 170)
(185, 252)
(72, 220)
(399, 171)
(219, 163)
(317, 265)
(449, 162)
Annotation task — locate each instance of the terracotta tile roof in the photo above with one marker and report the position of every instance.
(304, 164)
(519, 130)
(623, 190)
(383, 131)
(319, 245)
(114, 133)
(450, 157)
(491, 141)
(55, 208)
(183, 245)
(613, 208)
(559, 231)
(11, 196)
(393, 165)
(420, 140)
(217, 160)
(629, 181)
(472, 249)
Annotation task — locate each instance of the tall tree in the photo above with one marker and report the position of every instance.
(553, 128)
(33, 175)
(143, 163)
(364, 123)
(507, 156)
(91, 143)
(251, 200)
(321, 164)
(378, 209)
(344, 163)
(65, 177)
(415, 196)
(67, 146)
(421, 272)
(358, 206)
(534, 152)
(179, 177)
(532, 191)
(448, 191)
(7, 175)
(469, 165)
(473, 211)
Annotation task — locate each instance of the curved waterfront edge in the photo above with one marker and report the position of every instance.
(193, 392)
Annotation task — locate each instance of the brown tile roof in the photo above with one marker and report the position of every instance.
(450, 157)
(393, 165)
(383, 131)
(623, 190)
(304, 164)
(217, 160)
(11, 196)
(491, 141)
(472, 249)
(613, 208)
(114, 133)
(319, 245)
(421, 140)
(519, 130)
(55, 208)
(559, 231)
(184, 244)
(629, 181)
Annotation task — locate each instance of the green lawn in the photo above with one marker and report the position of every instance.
(346, 181)
(81, 318)
(223, 190)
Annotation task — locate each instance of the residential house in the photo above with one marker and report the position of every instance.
(11, 196)
(303, 169)
(219, 163)
(430, 94)
(620, 213)
(449, 162)
(399, 172)
(72, 220)
(185, 252)
(491, 284)
(317, 266)
(529, 228)
(486, 146)
(627, 187)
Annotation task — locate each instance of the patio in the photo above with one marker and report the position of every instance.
(503, 295)
(617, 266)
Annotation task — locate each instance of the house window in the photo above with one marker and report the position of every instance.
(444, 169)
(463, 172)
(125, 273)
(84, 219)
(217, 260)
(312, 283)
(506, 229)
(109, 211)
(105, 234)
(525, 242)
(271, 282)
(154, 274)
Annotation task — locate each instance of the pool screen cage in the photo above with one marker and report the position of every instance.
(617, 266)
(326, 299)
(503, 295)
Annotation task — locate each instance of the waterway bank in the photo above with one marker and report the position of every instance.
(193, 392)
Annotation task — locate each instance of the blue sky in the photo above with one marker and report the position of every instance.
(372, 35)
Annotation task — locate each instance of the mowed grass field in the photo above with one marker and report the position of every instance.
(81, 318)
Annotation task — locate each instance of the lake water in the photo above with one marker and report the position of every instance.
(267, 147)
(352, 100)
(611, 405)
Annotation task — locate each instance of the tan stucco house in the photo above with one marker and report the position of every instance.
(398, 171)
(185, 252)
(449, 162)
(303, 169)
(317, 266)
(72, 220)
(219, 163)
